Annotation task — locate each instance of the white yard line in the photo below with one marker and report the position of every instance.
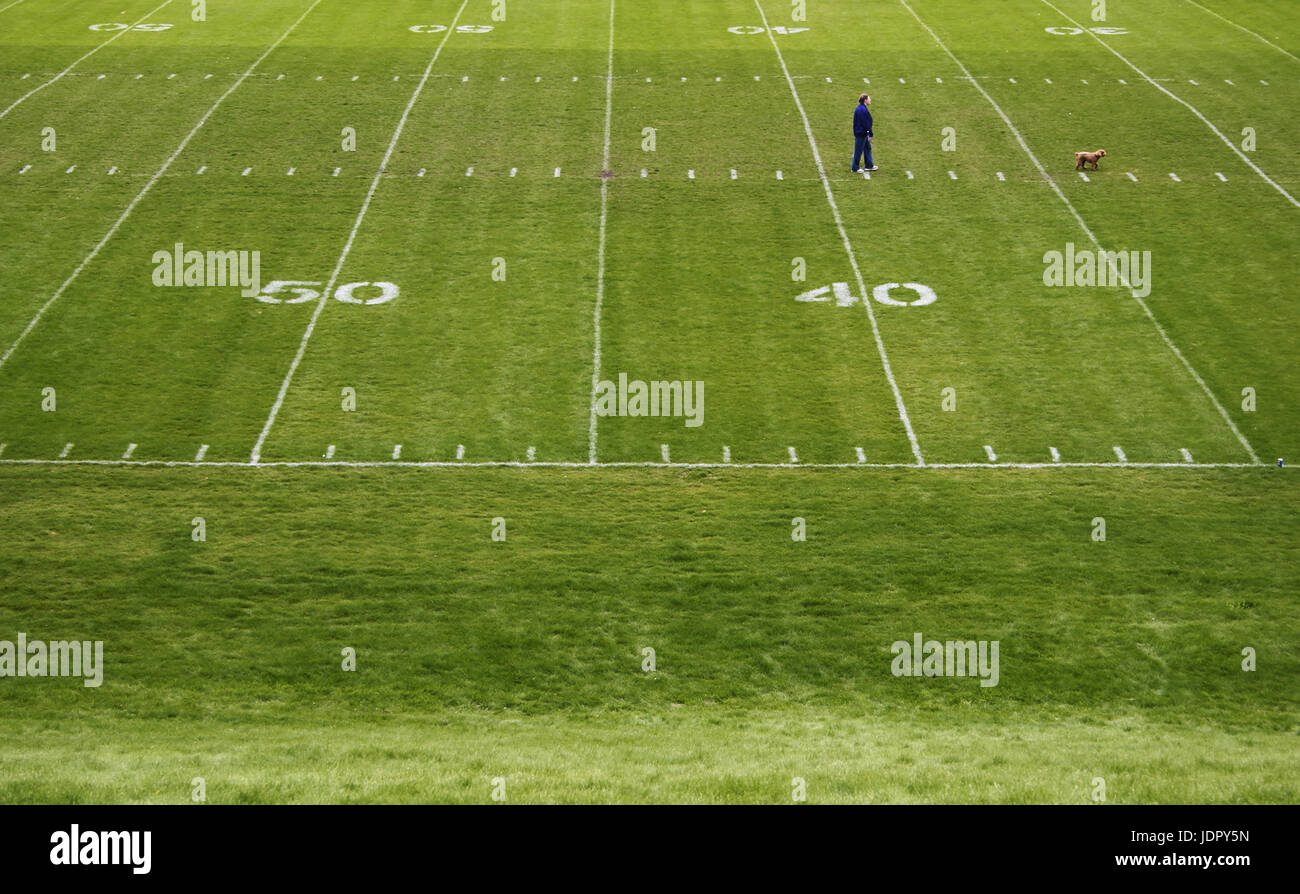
(60, 75)
(600, 251)
(1247, 30)
(848, 246)
(11, 5)
(94, 252)
(433, 464)
(347, 247)
(1227, 142)
(1091, 237)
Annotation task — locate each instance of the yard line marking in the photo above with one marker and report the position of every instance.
(1221, 177)
(67, 448)
(336, 172)
(557, 172)
(726, 454)
(663, 451)
(11, 6)
(901, 81)
(112, 170)
(862, 454)
(329, 452)
(206, 76)
(952, 174)
(1193, 83)
(464, 79)
(537, 80)
(101, 77)
(203, 451)
(1120, 454)
(1132, 176)
(347, 247)
(1265, 83)
(356, 77)
(291, 170)
(645, 173)
(1013, 80)
(1229, 83)
(780, 176)
(170, 76)
(848, 246)
(910, 175)
(201, 169)
(496, 464)
(138, 77)
(421, 174)
(532, 454)
(247, 171)
(130, 448)
(94, 252)
(1056, 456)
(514, 171)
(794, 457)
(1227, 142)
(397, 451)
(864, 80)
(993, 457)
(279, 77)
(58, 76)
(1048, 80)
(460, 451)
(1085, 83)
(733, 173)
(1187, 455)
(1124, 82)
(1174, 177)
(320, 77)
(592, 423)
(690, 175)
(1085, 177)
(938, 80)
(470, 172)
(1091, 237)
(1001, 176)
(25, 169)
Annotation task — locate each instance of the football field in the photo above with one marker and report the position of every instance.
(501, 341)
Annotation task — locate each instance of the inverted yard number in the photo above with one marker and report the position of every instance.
(758, 29)
(1070, 31)
(845, 298)
(118, 26)
(463, 29)
(278, 290)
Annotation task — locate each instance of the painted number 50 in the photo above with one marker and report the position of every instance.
(278, 290)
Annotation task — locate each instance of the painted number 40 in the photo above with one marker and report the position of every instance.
(278, 291)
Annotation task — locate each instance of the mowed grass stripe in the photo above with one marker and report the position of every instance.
(79, 60)
(1093, 239)
(1240, 27)
(328, 291)
(494, 357)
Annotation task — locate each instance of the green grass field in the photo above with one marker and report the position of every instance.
(556, 192)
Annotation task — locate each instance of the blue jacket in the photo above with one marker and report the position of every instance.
(862, 122)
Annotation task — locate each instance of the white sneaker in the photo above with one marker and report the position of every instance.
(873, 168)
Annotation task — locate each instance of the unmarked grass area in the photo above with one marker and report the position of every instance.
(523, 659)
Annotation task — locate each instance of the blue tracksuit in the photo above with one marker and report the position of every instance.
(861, 136)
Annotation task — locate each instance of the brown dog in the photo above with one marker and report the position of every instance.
(1082, 158)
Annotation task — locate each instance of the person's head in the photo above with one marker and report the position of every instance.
(864, 99)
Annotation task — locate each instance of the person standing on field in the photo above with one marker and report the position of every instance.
(862, 134)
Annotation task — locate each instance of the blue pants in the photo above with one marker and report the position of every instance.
(861, 147)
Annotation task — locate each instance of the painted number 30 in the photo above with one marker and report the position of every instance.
(276, 292)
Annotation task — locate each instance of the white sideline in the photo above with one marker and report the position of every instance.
(1227, 142)
(94, 252)
(1247, 30)
(435, 464)
(600, 251)
(848, 246)
(347, 247)
(58, 76)
(1091, 237)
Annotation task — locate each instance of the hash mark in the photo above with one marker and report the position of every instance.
(1056, 454)
(247, 171)
(201, 169)
(25, 169)
(397, 451)
(514, 171)
(130, 448)
(663, 448)
(726, 454)
(1174, 177)
(1221, 177)
(336, 171)
(112, 171)
(952, 174)
(733, 173)
(909, 175)
(1187, 454)
(780, 176)
(557, 172)
(794, 457)
(1001, 176)
(1085, 177)
(67, 448)
(470, 172)
(421, 174)
(203, 451)
(993, 457)
(329, 452)
(1132, 176)
(690, 175)
(532, 454)
(862, 454)
(1120, 455)
(460, 451)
